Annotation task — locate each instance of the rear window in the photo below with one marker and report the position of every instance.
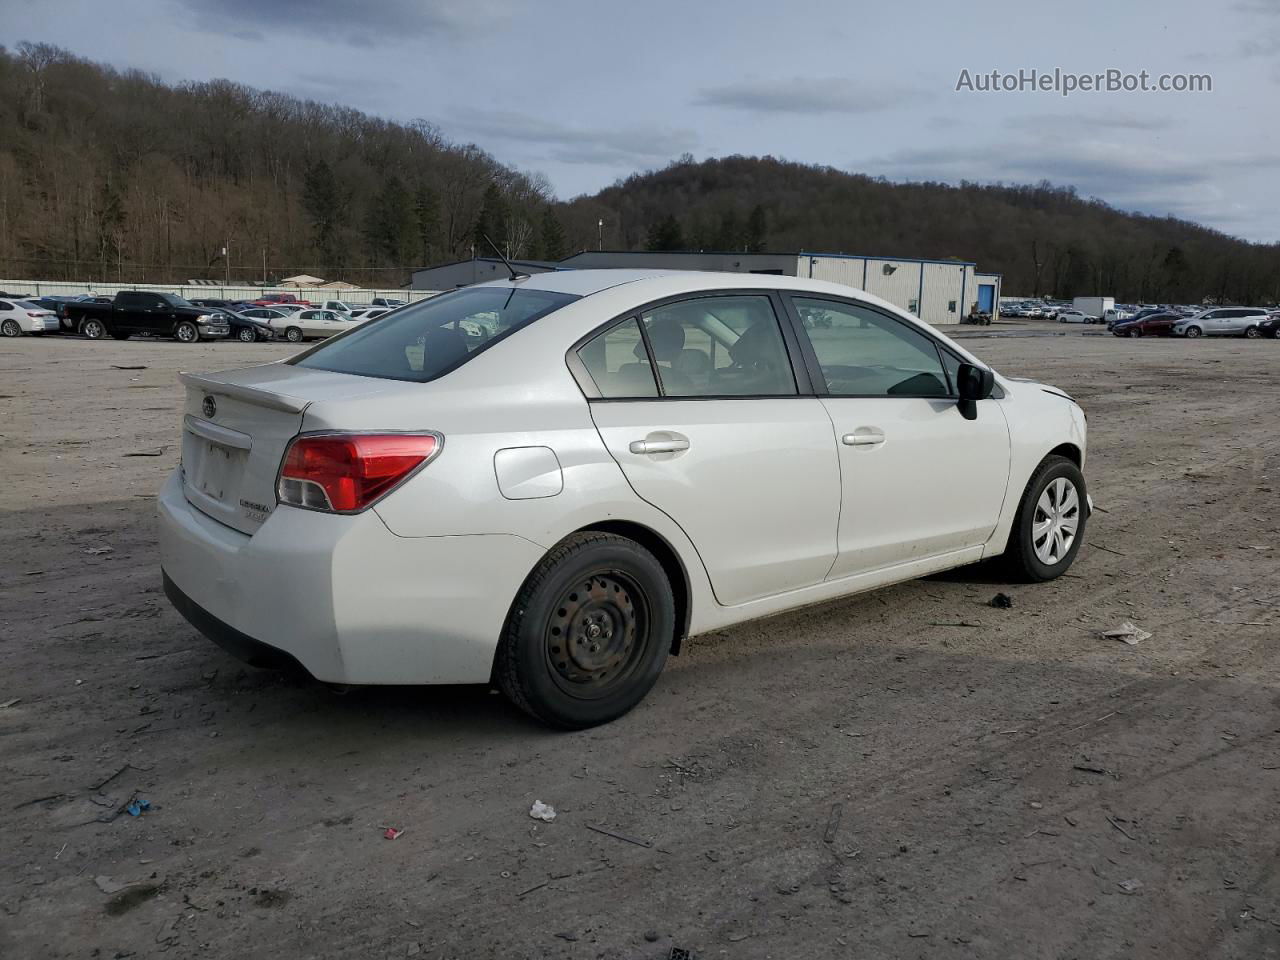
(432, 337)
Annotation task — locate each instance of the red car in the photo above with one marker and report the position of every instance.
(1155, 325)
(271, 299)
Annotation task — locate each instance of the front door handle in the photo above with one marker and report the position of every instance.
(658, 446)
(863, 437)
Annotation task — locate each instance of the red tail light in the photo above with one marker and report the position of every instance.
(345, 473)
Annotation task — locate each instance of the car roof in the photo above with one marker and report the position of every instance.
(584, 283)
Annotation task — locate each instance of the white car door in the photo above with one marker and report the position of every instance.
(918, 479)
(703, 413)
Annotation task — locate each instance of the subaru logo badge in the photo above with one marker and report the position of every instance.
(209, 407)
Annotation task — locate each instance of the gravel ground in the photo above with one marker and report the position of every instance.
(859, 779)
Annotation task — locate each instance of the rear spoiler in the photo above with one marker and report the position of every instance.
(259, 398)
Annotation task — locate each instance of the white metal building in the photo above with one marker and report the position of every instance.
(938, 291)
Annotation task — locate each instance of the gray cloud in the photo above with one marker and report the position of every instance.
(578, 145)
(1147, 180)
(372, 23)
(808, 95)
(1075, 122)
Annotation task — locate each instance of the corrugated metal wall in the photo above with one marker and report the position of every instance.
(58, 288)
(934, 291)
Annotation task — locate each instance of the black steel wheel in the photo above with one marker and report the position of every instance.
(588, 633)
(597, 634)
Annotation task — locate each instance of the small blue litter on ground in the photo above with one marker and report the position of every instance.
(137, 806)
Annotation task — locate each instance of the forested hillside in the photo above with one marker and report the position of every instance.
(1043, 238)
(112, 175)
(117, 175)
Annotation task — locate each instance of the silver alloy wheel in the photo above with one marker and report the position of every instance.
(187, 333)
(1054, 525)
(247, 335)
(293, 335)
(93, 329)
(11, 329)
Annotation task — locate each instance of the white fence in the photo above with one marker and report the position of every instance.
(66, 288)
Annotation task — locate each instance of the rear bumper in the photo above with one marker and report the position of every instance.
(342, 596)
(239, 645)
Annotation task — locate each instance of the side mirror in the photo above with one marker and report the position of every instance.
(973, 383)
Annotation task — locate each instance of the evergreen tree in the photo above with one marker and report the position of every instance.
(757, 230)
(391, 226)
(552, 244)
(729, 236)
(323, 200)
(491, 222)
(666, 234)
(426, 206)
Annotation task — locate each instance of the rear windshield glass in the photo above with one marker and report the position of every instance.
(432, 337)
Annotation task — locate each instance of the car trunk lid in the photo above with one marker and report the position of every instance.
(236, 428)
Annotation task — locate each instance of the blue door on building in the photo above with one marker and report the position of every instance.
(986, 296)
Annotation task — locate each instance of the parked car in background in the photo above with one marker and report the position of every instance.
(1115, 315)
(369, 313)
(1151, 325)
(272, 299)
(1270, 327)
(247, 329)
(339, 306)
(387, 302)
(1223, 322)
(289, 308)
(313, 325)
(1140, 314)
(144, 312)
(389, 507)
(22, 316)
(1075, 316)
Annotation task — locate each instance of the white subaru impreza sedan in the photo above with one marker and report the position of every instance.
(550, 482)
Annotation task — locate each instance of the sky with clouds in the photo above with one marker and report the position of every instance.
(587, 92)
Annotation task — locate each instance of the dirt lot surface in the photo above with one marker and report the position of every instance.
(862, 779)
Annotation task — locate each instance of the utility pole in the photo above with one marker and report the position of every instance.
(264, 266)
(226, 260)
(600, 234)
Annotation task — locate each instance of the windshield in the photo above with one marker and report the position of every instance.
(432, 337)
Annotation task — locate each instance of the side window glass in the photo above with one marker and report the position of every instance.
(864, 353)
(619, 364)
(727, 346)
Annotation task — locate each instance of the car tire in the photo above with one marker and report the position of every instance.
(10, 328)
(93, 329)
(607, 599)
(1026, 557)
(293, 335)
(247, 335)
(1192, 332)
(1253, 333)
(186, 332)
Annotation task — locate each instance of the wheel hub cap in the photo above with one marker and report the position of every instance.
(1056, 520)
(591, 638)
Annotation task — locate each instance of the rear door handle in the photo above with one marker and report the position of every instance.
(863, 439)
(658, 446)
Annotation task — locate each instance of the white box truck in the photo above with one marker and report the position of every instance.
(1095, 307)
